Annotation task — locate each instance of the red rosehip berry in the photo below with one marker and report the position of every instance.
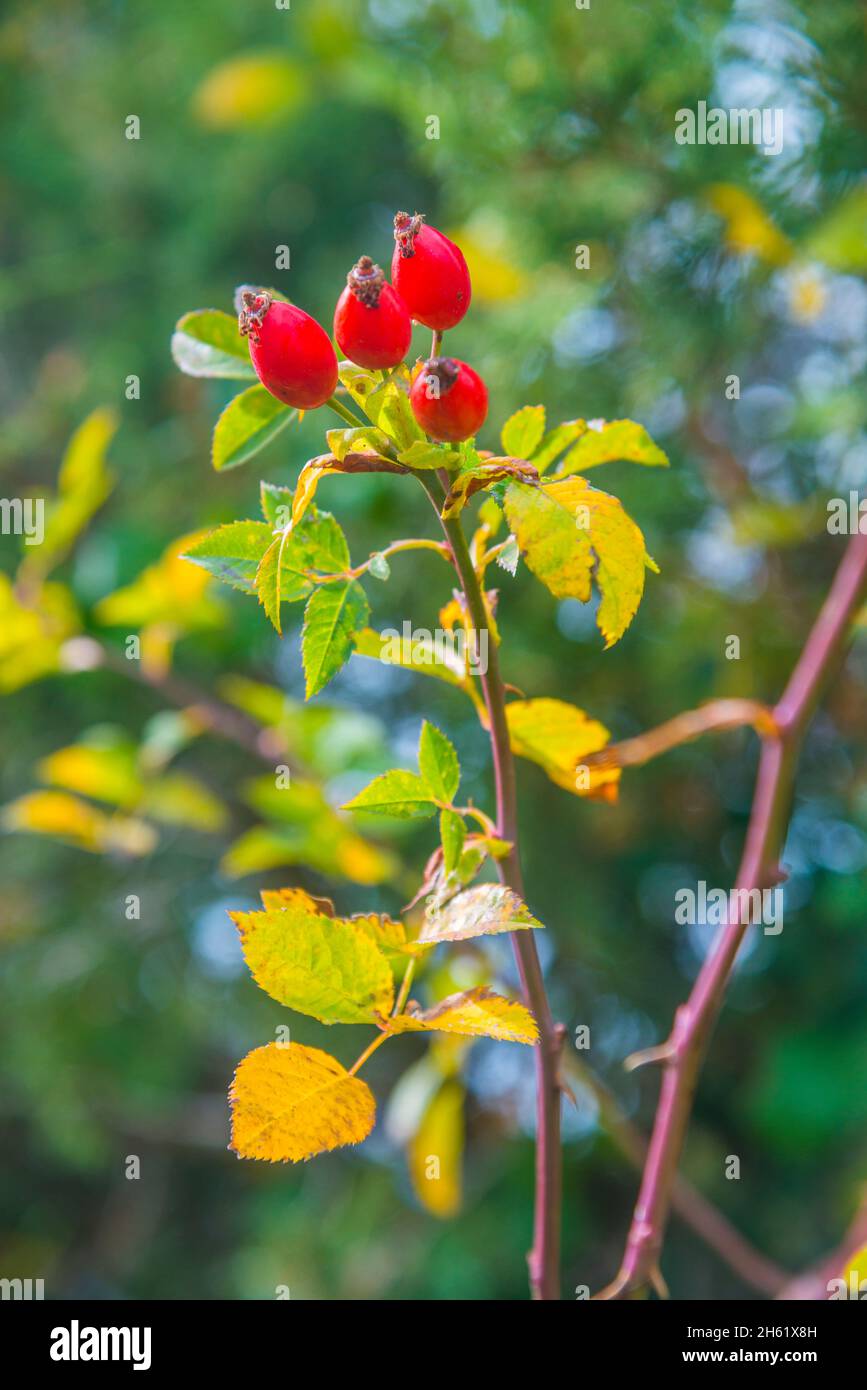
(292, 354)
(371, 324)
(449, 400)
(429, 273)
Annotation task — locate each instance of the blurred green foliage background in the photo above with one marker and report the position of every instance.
(307, 127)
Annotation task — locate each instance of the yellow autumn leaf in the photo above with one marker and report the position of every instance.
(571, 534)
(389, 936)
(483, 910)
(32, 634)
(274, 899)
(474, 1013)
(493, 274)
(316, 964)
(559, 736)
(436, 1152)
(749, 230)
(255, 89)
(291, 1102)
(171, 594)
(104, 772)
(76, 822)
(83, 484)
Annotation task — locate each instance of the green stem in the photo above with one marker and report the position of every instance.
(344, 412)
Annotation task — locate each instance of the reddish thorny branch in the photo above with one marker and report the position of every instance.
(684, 1051)
(544, 1257)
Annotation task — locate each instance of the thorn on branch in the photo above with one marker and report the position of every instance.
(664, 1052)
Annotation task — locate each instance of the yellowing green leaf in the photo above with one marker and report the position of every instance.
(206, 343)
(606, 441)
(342, 442)
(571, 533)
(559, 736)
(390, 410)
(316, 964)
(389, 936)
(436, 1151)
(556, 440)
(334, 614)
(419, 655)
(438, 763)
(523, 431)
(255, 89)
(249, 422)
(291, 1102)
(422, 454)
(475, 1013)
(484, 910)
(396, 793)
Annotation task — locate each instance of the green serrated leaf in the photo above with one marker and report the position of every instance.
(523, 431)
(248, 423)
(334, 614)
(276, 504)
(452, 834)
(397, 793)
(233, 553)
(287, 571)
(207, 343)
(438, 763)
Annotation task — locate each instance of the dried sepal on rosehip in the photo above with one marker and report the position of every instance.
(449, 400)
(429, 273)
(371, 323)
(292, 354)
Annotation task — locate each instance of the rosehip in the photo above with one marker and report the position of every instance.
(449, 400)
(429, 273)
(292, 354)
(371, 324)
